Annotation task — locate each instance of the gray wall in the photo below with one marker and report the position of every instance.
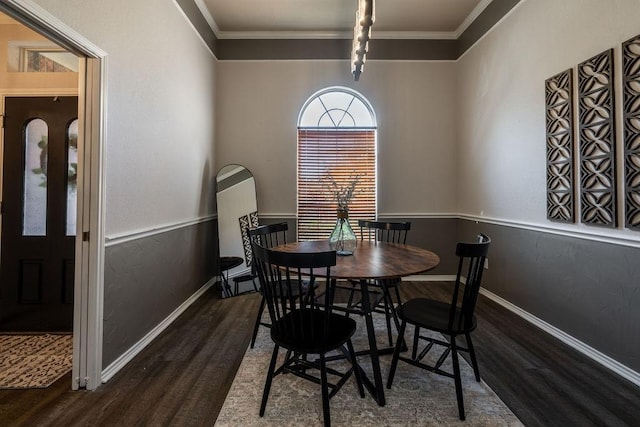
(585, 288)
(148, 278)
(159, 158)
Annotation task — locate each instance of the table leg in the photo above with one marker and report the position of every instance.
(226, 289)
(378, 390)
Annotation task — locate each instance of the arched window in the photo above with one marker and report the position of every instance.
(336, 141)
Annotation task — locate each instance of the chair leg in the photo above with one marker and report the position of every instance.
(472, 354)
(267, 385)
(394, 312)
(325, 391)
(387, 314)
(456, 377)
(258, 319)
(356, 367)
(396, 354)
(398, 294)
(350, 301)
(416, 335)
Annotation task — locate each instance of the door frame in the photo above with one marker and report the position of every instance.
(89, 245)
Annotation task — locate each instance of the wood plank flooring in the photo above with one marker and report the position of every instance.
(183, 377)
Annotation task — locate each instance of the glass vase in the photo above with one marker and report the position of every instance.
(343, 240)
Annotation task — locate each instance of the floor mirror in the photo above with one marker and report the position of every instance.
(237, 213)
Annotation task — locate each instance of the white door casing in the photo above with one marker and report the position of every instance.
(89, 266)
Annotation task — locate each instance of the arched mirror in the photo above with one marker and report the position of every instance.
(237, 213)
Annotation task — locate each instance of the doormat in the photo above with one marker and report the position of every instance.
(34, 361)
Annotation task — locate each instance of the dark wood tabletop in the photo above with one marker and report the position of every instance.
(373, 260)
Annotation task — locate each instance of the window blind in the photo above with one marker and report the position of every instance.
(343, 153)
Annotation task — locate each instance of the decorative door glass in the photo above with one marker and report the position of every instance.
(34, 207)
(72, 175)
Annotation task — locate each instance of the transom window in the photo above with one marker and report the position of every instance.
(337, 139)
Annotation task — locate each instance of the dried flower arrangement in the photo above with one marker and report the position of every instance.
(342, 192)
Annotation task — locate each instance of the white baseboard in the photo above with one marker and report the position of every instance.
(430, 278)
(127, 356)
(583, 348)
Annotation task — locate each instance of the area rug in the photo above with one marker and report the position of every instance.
(34, 361)
(417, 398)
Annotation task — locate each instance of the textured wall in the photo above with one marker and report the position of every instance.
(160, 110)
(148, 278)
(159, 165)
(585, 288)
(415, 107)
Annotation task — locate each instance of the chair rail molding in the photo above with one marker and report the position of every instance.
(128, 236)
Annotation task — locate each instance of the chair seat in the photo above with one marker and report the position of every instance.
(434, 315)
(301, 331)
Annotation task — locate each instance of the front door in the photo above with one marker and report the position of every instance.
(38, 214)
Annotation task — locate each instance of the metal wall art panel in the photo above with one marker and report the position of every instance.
(560, 175)
(631, 104)
(597, 140)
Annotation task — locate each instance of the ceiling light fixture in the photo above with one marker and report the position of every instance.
(365, 18)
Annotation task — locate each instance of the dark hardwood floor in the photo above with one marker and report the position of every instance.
(182, 378)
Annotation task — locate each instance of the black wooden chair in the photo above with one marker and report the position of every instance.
(267, 236)
(390, 232)
(451, 319)
(301, 325)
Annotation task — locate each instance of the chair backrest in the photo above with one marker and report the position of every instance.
(280, 273)
(269, 235)
(471, 263)
(390, 232)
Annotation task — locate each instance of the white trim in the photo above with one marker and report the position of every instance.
(577, 231)
(431, 215)
(129, 236)
(204, 42)
(89, 270)
(207, 16)
(134, 350)
(347, 34)
(276, 215)
(333, 35)
(285, 35)
(9, 92)
(583, 348)
(52, 25)
(430, 278)
(472, 17)
(493, 27)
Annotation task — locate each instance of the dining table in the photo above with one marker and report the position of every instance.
(370, 261)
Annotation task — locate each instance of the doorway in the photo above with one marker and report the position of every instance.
(88, 269)
(39, 199)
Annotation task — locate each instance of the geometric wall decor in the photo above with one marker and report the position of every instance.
(246, 223)
(631, 117)
(559, 121)
(597, 140)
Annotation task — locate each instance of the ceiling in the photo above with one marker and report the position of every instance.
(426, 19)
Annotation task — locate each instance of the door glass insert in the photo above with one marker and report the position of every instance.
(72, 175)
(34, 212)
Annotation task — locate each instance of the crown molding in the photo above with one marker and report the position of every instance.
(207, 16)
(347, 34)
(472, 17)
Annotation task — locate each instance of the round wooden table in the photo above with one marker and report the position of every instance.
(372, 260)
